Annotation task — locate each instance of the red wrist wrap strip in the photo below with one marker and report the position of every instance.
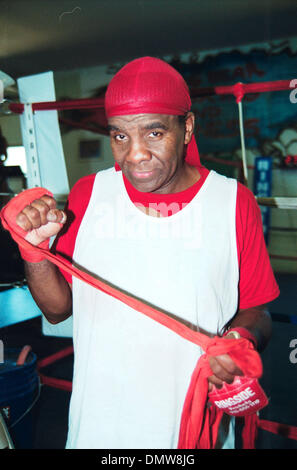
(31, 256)
(199, 422)
(8, 216)
(244, 333)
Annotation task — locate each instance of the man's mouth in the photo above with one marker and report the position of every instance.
(142, 174)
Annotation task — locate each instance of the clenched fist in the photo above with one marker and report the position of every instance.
(41, 220)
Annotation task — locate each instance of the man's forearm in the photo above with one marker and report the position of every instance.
(50, 290)
(258, 321)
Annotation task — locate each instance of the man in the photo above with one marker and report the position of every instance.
(163, 228)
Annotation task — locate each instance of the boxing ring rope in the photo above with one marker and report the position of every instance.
(82, 103)
(238, 90)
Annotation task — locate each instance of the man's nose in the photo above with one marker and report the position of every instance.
(138, 152)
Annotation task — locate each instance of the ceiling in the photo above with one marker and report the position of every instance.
(40, 35)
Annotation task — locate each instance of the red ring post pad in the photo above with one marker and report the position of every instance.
(242, 398)
(8, 217)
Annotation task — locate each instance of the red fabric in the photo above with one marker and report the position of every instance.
(243, 397)
(244, 333)
(199, 424)
(30, 255)
(250, 432)
(147, 85)
(257, 283)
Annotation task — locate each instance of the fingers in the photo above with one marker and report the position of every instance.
(40, 212)
(56, 215)
(224, 370)
(212, 380)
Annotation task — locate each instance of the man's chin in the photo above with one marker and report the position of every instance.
(143, 186)
(142, 182)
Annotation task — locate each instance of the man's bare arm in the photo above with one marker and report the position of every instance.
(50, 290)
(258, 321)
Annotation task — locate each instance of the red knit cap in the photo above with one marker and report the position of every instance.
(150, 85)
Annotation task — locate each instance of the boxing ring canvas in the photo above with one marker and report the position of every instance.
(44, 154)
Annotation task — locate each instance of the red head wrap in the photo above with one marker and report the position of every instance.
(150, 85)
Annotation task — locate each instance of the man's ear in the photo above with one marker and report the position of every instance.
(189, 127)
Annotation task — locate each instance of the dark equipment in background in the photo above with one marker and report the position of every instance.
(11, 263)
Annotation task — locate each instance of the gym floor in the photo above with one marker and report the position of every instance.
(20, 324)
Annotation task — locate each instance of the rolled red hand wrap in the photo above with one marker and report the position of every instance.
(8, 217)
(200, 422)
(241, 398)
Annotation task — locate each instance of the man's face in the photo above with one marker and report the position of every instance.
(149, 149)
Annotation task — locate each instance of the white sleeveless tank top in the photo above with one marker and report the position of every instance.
(131, 374)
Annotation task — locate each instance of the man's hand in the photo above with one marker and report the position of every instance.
(41, 219)
(224, 370)
(258, 322)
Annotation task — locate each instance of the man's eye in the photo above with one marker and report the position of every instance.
(156, 133)
(119, 137)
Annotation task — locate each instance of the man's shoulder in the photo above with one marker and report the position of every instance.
(247, 205)
(245, 195)
(84, 181)
(222, 185)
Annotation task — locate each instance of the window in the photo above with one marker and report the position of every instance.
(14, 170)
(16, 156)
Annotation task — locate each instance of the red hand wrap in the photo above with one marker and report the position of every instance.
(200, 423)
(8, 217)
(244, 333)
